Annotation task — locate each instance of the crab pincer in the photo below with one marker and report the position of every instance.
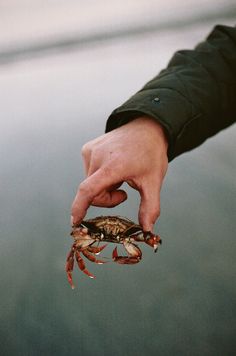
(134, 254)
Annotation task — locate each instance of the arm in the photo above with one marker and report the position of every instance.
(194, 97)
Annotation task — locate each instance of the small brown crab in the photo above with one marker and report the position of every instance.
(107, 229)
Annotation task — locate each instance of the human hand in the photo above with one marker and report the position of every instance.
(135, 153)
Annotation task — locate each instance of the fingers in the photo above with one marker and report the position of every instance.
(149, 209)
(110, 199)
(92, 187)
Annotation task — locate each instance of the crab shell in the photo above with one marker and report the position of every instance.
(113, 229)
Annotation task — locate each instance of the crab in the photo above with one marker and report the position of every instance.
(114, 229)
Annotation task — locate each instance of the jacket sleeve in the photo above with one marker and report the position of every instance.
(194, 97)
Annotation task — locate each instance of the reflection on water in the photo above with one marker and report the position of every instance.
(180, 301)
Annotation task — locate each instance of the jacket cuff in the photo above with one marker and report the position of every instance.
(161, 104)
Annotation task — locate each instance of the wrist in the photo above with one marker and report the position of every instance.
(157, 129)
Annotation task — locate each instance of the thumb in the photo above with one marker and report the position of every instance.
(149, 209)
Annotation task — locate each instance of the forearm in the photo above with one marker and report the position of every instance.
(193, 98)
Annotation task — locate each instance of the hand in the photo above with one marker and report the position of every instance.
(135, 153)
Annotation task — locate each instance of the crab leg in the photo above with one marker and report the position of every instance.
(92, 258)
(81, 265)
(134, 252)
(95, 249)
(70, 266)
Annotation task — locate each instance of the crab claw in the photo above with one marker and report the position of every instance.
(134, 252)
(153, 240)
(82, 237)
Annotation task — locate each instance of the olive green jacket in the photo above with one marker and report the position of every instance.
(194, 97)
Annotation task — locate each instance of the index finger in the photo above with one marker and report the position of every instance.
(93, 185)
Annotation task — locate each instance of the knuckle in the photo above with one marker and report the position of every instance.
(83, 188)
(86, 149)
(107, 171)
(86, 191)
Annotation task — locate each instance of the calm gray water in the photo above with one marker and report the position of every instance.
(180, 301)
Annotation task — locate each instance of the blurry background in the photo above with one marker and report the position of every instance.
(64, 66)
